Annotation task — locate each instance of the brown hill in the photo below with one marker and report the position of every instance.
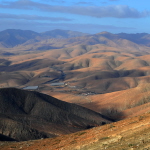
(65, 39)
(29, 115)
(32, 65)
(96, 68)
(117, 105)
(84, 41)
(107, 73)
(89, 69)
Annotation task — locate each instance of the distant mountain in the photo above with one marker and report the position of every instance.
(13, 37)
(61, 34)
(55, 39)
(26, 115)
(138, 38)
(136, 42)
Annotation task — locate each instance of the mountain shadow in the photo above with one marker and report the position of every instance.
(26, 115)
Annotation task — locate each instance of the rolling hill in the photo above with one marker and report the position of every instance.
(107, 73)
(96, 68)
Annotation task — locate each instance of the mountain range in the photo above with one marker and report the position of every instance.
(13, 37)
(109, 74)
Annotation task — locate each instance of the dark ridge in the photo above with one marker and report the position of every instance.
(4, 62)
(6, 138)
(26, 112)
(8, 54)
(20, 130)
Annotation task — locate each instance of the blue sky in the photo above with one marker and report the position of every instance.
(90, 16)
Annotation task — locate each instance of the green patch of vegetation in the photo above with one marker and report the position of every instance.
(144, 100)
(73, 142)
(133, 122)
(80, 133)
(111, 126)
(104, 145)
(112, 113)
(146, 89)
(130, 145)
(104, 138)
(57, 141)
(133, 145)
(141, 117)
(13, 146)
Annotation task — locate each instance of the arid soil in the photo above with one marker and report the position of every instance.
(128, 134)
(107, 73)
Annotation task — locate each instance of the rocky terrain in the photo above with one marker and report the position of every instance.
(107, 73)
(26, 115)
(132, 133)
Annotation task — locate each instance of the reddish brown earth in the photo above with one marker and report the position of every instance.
(118, 105)
(132, 133)
(113, 72)
(107, 73)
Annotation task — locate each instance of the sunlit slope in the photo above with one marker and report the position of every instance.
(117, 105)
(107, 72)
(97, 68)
(32, 72)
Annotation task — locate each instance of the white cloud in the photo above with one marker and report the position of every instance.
(115, 11)
(32, 17)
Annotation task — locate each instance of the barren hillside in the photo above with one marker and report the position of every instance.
(27, 115)
(132, 133)
(107, 73)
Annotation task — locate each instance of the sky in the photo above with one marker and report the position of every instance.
(88, 16)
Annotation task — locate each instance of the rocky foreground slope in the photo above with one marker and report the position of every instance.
(128, 134)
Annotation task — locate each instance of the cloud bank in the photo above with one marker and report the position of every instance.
(114, 11)
(32, 17)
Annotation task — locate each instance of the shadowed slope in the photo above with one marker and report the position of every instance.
(130, 134)
(25, 111)
(31, 65)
